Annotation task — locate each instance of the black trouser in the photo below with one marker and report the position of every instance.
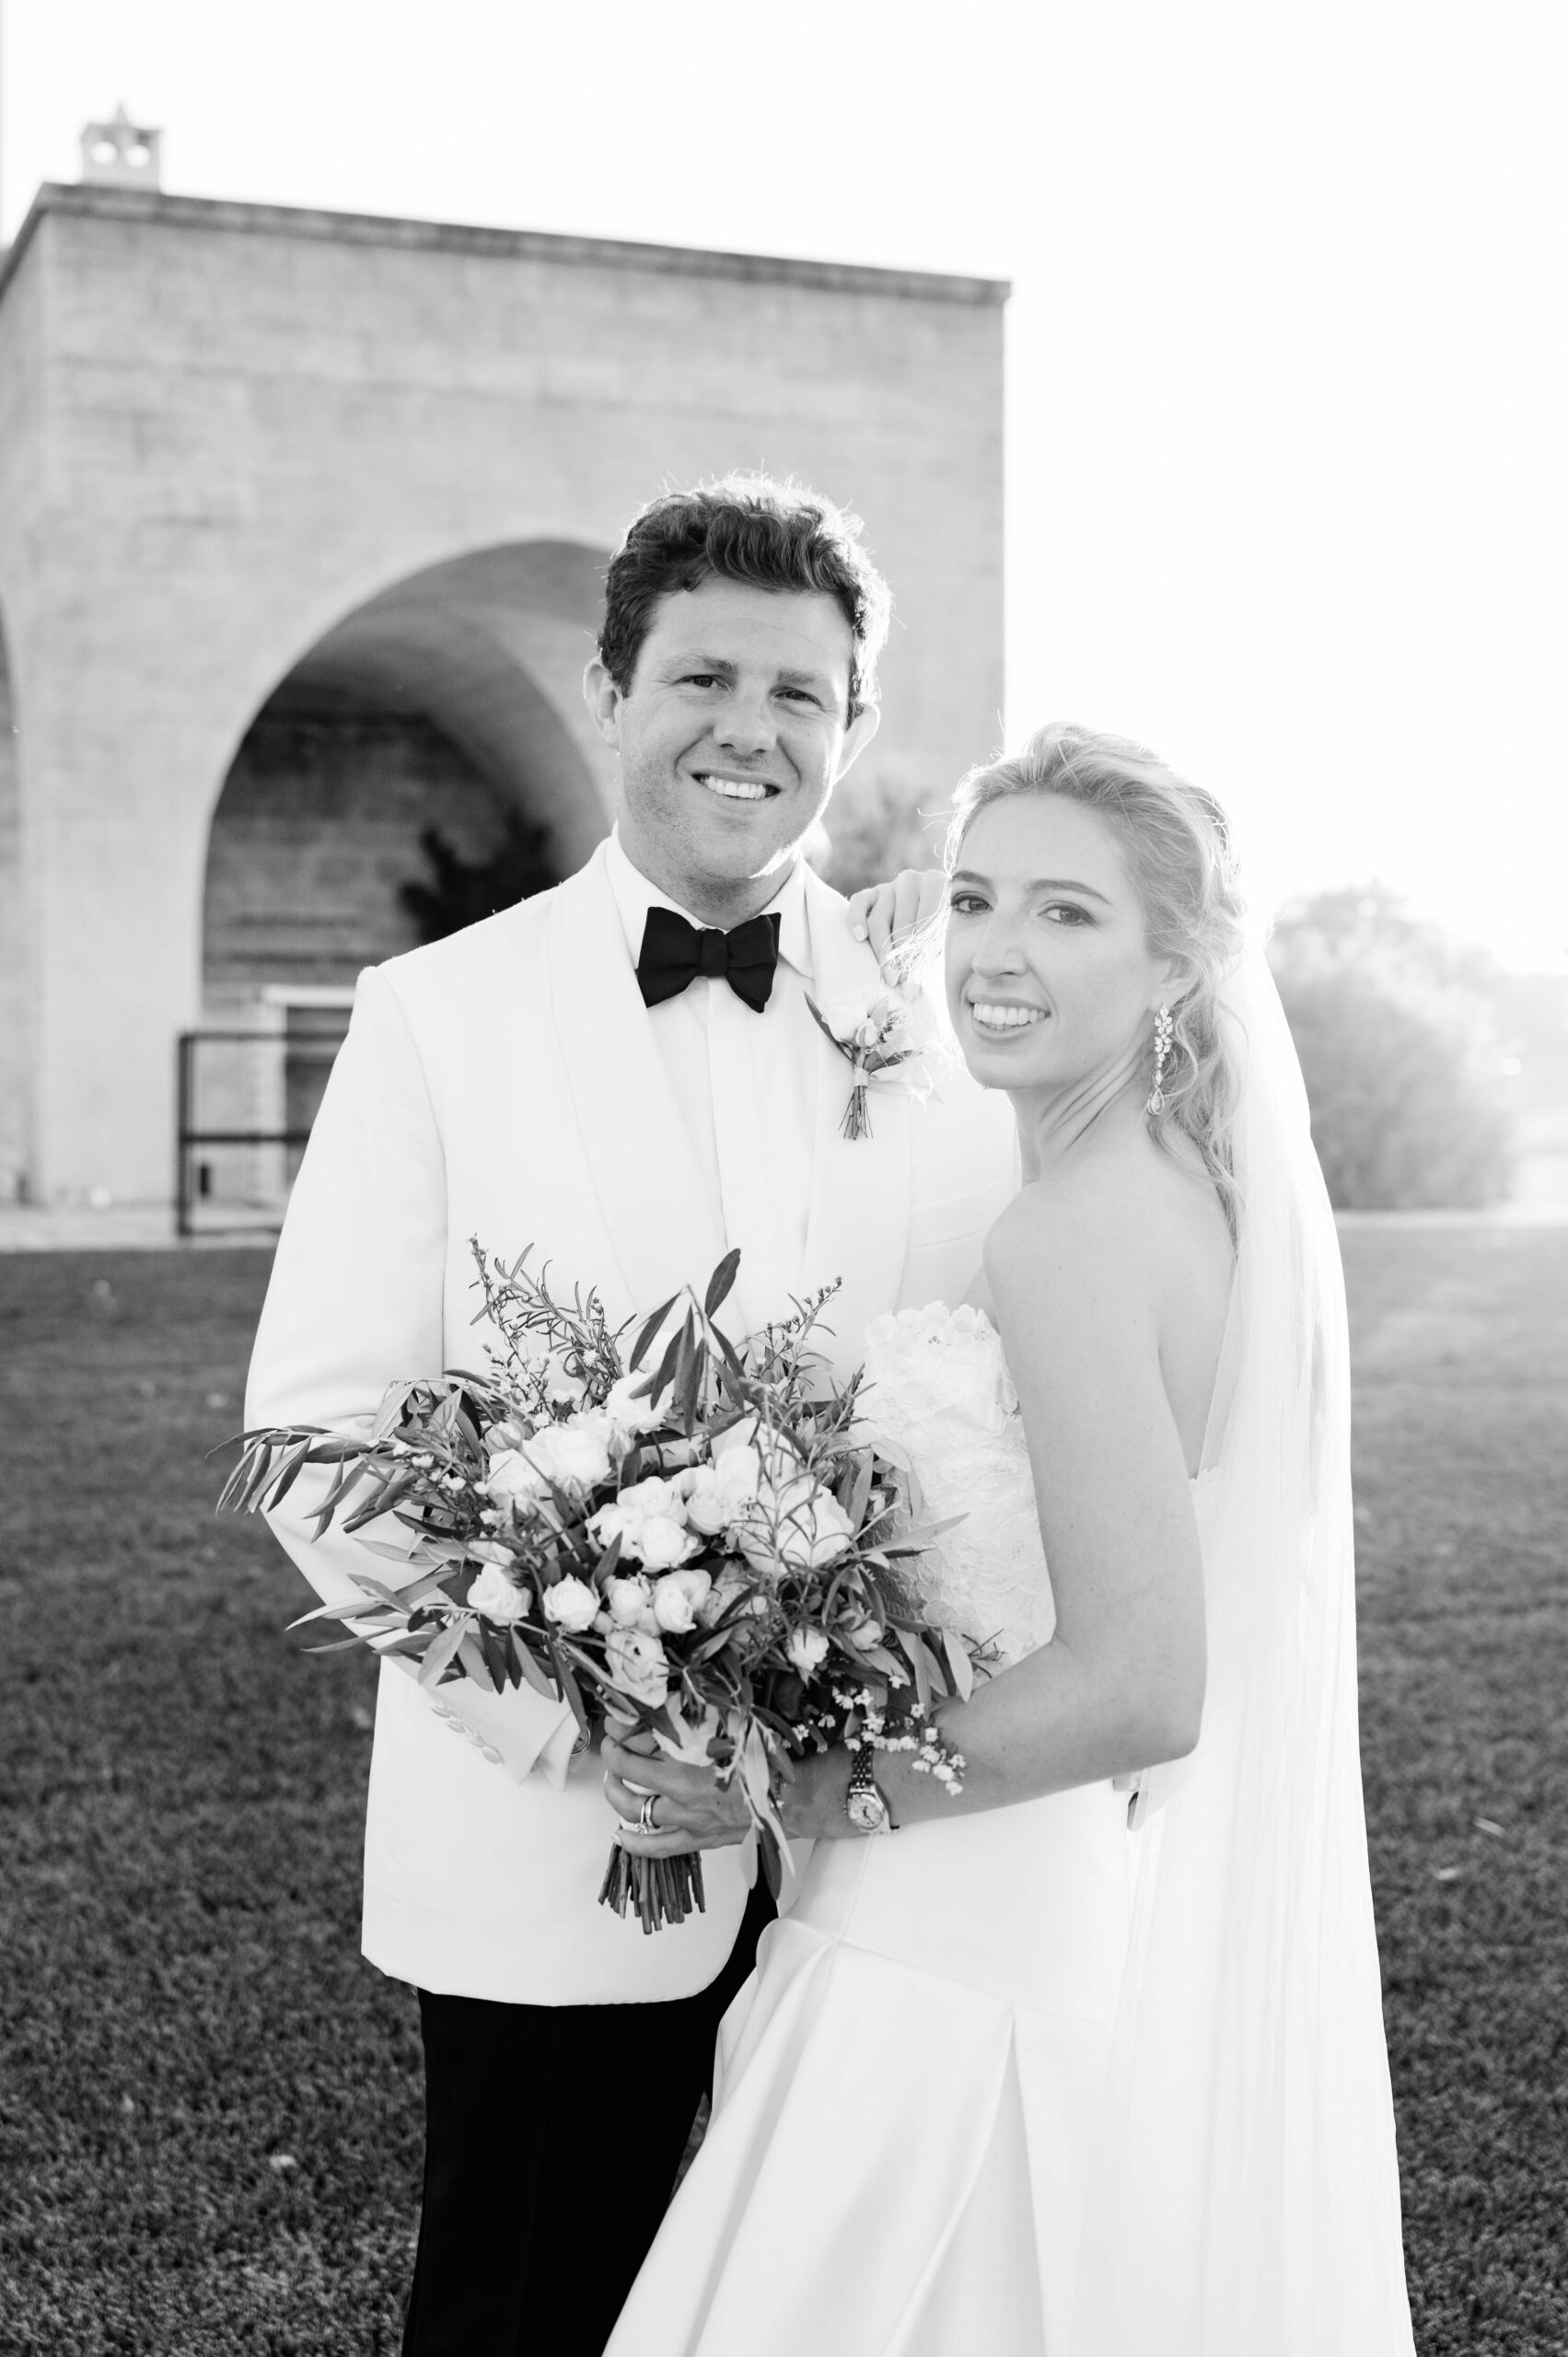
(553, 2136)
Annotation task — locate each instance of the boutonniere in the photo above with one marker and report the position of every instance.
(888, 1038)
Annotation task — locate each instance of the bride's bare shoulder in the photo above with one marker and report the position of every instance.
(1140, 1222)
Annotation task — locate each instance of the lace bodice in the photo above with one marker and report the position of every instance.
(938, 1401)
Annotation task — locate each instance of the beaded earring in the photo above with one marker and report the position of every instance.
(1164, 1029)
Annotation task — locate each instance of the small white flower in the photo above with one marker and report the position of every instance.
(807, 1648)
(678, 1597)
(499, 1598)
(571, 1604)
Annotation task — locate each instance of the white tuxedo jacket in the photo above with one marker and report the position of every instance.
(505, 1083)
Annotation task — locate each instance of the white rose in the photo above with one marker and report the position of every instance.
(719, 1493)
(776, 1457)
(576, 1451)
(631, 1602)
(571, 1604)
(624, 1517)
(677, 1598)
(636, 1664)
(511, 1481)
(800, 1526)
(807, 1648)
(506, 1435)
(499, 1598)
(633, 1415)
(661, 1542)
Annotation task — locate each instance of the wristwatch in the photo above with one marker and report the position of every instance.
(868, 1812)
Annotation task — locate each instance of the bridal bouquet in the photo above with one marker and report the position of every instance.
(690, 1541)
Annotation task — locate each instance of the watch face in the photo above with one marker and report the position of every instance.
(868, 1810)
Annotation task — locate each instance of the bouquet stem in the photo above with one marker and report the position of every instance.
(856, 1123)
(660, 1891)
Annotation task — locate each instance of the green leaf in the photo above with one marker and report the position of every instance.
(826, 1028)
(532, 1670)
(720, 1283)
(650, 1328)
(471, 1654)
(440, 1653)
(960, 1665)
(688, 1378)
(919, 1662)
(666, 1367)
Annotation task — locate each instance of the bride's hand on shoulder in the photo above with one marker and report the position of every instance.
(890, 916)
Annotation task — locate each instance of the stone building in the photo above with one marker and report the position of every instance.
(303, 522)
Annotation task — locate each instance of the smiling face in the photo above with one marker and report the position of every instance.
(731, 736)
(1051, 982)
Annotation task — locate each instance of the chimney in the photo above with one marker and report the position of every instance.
(120, 153)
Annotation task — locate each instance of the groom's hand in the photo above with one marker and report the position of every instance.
(690, 1809)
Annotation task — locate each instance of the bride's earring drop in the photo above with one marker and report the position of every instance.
(1164, 1030)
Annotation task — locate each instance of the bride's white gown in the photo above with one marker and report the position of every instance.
(908, 2086)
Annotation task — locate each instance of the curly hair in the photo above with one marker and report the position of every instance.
(1176, 839)
(744, 527)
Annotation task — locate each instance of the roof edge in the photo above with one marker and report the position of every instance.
(102, 202)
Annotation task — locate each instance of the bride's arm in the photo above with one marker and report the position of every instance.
(893, 916)
(1120, 1685)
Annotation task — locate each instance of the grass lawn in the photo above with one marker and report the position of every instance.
(209, 2106)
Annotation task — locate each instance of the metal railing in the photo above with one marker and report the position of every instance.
(195, 1139)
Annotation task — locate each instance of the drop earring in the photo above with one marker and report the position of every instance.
(1164, 1030)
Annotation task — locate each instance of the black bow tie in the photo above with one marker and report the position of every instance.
(675, 953)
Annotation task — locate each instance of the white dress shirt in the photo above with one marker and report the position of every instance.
(745, 1084)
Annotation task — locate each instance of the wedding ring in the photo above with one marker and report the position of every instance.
(645, 1814)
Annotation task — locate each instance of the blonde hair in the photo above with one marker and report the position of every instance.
(1176, 839)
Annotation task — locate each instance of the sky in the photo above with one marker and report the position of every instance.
(1287, 373)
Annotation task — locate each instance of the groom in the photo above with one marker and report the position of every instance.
(622, 1074)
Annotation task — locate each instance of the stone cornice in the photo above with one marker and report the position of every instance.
(102, 202)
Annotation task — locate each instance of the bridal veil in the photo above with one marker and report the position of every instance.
(1245, 2195)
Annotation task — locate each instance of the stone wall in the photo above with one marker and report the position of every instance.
(227, 431)
(318, 828)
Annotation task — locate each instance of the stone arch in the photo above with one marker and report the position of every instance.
(15, 1007)
(450, 701)
(475, 665)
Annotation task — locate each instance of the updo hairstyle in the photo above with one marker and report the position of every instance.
(1176, 840)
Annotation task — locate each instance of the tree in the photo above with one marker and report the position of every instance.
(460, 894)
(1396, 1027)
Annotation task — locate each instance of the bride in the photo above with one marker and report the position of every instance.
(1086, 2059)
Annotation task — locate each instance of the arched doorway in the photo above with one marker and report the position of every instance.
(15, 1023)
(425, 761)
